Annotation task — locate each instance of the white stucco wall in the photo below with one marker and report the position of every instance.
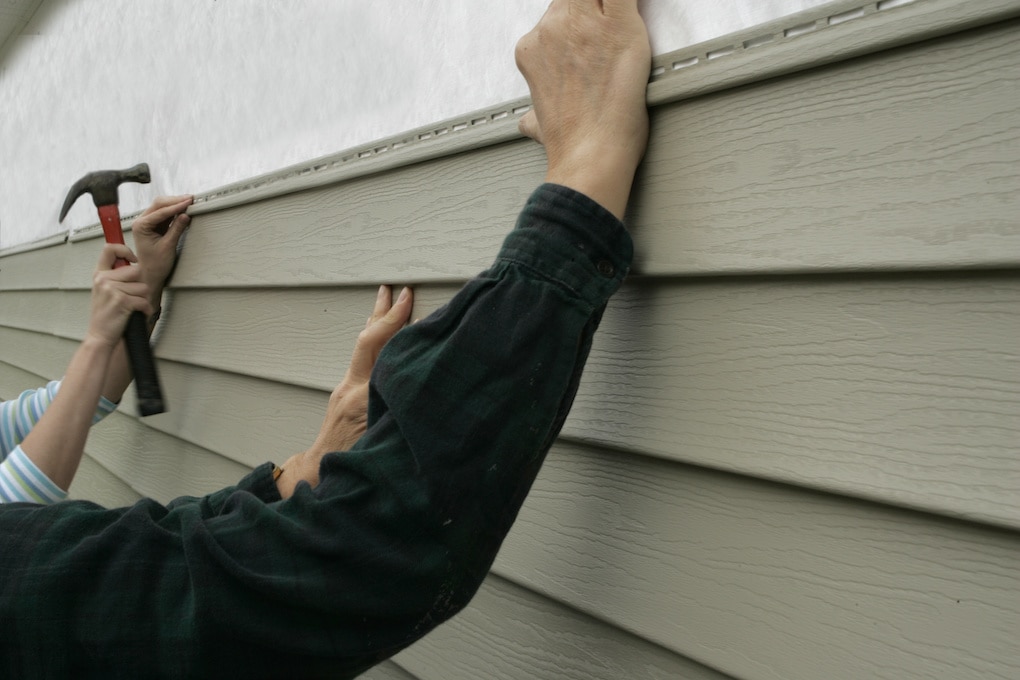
(213, 91)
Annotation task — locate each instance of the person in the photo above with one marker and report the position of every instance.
(43, 431)
(393, 534)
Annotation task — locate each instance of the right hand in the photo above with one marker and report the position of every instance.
(116, 293)
(587, 64)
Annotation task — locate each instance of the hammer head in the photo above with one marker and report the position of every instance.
(102, 184)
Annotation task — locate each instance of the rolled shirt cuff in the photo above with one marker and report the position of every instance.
(21, 481)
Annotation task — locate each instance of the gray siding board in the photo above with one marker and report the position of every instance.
(95, 483)
(873, 387)
(762, 580)
(33, 269)
(510, 632)
(157, 465)
(387, 670)
(900, 389)
(888, 162)
(43, 354)
(247, 420)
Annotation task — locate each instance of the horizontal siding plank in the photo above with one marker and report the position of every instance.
(905, 390)
(439, 220)
(510, 632)
(763, 580)
(901, 389)
(95, 483)
(42, 354)
(244, 331)
(902, 159)
(34, 269)
(247, 420)
(387, 670)
(917, 148)
(157, 465)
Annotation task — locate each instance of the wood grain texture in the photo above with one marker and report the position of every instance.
(41, 354)
(510, 632)
(244, 419)
(901, 160)
(899, 389)
(157, 465)
(33, 269)
(768, 581)
(387, 670)
(835, 31)
(95, 483)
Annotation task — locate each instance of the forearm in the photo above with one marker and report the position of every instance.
(57, 441)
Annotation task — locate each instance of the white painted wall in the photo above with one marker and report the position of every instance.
(212, 91)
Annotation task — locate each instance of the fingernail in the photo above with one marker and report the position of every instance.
(382, 292)
(404, 294)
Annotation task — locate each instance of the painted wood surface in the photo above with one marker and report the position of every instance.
(507, 628)
(793, 454)
(869, 386)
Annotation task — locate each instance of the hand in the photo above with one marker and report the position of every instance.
(116, 293)
(156, 234)
(347, 413)
(587, 64)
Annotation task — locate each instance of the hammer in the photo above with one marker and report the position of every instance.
(103, 184)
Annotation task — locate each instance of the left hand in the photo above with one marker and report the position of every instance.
(156, 233)
(347, 413)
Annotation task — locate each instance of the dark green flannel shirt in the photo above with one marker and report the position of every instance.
(395, 539)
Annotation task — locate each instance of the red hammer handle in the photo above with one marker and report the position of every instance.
(109, 217)
(136, 334)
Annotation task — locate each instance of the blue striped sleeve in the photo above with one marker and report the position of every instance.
(18, 416)
(22, 481)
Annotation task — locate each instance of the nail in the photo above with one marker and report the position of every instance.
(382, 293)
(404, 294)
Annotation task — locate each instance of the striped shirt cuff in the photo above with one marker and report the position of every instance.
(22, 482)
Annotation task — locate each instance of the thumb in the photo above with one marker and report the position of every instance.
(528, 125)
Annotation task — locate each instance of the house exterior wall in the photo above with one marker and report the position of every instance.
(793, 454)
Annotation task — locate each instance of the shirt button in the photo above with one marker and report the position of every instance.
(606, 268)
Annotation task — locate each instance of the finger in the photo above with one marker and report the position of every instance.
(164, 201)
(383, 303)
(528, 125)
(177, 228)
(162, 215)
(125, 274)
(113, 252)
(376, 335)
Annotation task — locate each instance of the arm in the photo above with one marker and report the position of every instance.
(55, 444)
(401, 528)
(18, 416)
(156, 233)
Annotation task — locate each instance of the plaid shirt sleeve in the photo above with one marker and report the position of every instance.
(394, 540)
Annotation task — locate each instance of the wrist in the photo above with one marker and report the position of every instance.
(97, 344)
(603, 174)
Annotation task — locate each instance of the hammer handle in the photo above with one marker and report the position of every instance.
(136, 334)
